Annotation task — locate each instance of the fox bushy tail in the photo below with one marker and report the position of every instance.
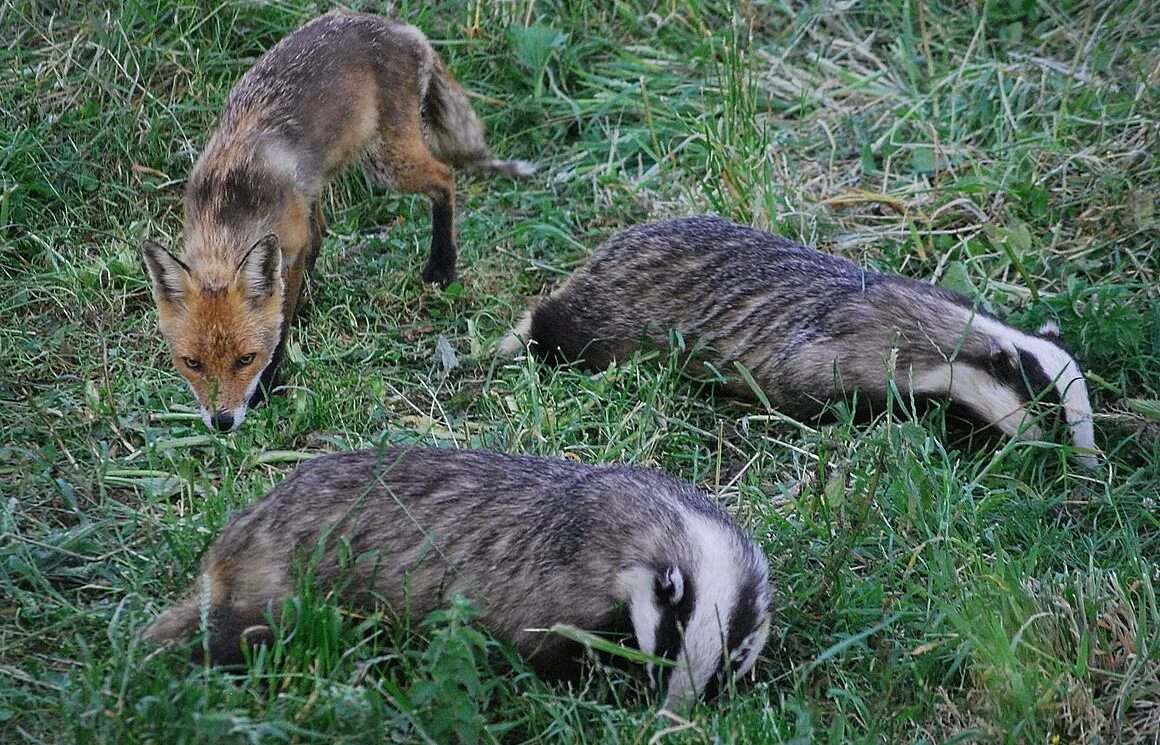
(454, 133)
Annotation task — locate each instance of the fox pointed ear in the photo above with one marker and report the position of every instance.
(170, 276)
(260, 272)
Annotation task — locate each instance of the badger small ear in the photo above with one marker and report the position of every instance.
(169, 275)
(260, 271)
(670, 586)
(1000, 357)
(1049, 330)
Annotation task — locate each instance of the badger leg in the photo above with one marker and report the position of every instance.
(229, 629)
(563, 336)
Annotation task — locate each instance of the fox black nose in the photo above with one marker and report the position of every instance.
(223, 421)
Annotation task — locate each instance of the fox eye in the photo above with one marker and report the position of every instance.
(244, 360)
(191, 363)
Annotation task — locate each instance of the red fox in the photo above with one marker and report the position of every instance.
(344, 87)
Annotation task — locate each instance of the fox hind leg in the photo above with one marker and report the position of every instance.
(402, 163)
(440, 267)
(416, 171)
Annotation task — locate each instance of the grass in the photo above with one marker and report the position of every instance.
(925, 592)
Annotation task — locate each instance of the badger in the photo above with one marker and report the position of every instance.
(530, 541)
(808, 327)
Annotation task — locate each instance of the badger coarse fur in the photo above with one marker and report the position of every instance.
(809, 327)
(532, 542)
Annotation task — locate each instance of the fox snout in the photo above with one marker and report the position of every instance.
(225, 391)
(221, 417)
(225, 394)
(224, 401)
(223, 421)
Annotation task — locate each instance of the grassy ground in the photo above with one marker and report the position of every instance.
(925, 593)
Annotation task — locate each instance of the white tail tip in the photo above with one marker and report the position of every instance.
(520, 168)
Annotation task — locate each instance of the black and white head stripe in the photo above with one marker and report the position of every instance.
(1022, 367)
(710, 618)
(676, 598)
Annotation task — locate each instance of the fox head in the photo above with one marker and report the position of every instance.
(221, 330)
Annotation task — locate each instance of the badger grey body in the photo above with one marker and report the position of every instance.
(531, 541)
(809, 327)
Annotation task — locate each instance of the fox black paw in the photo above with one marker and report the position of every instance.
(437, 274)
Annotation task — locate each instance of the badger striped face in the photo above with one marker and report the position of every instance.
(1020, 368)
(710, 618)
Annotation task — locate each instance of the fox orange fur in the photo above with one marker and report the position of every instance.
(345, 87)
